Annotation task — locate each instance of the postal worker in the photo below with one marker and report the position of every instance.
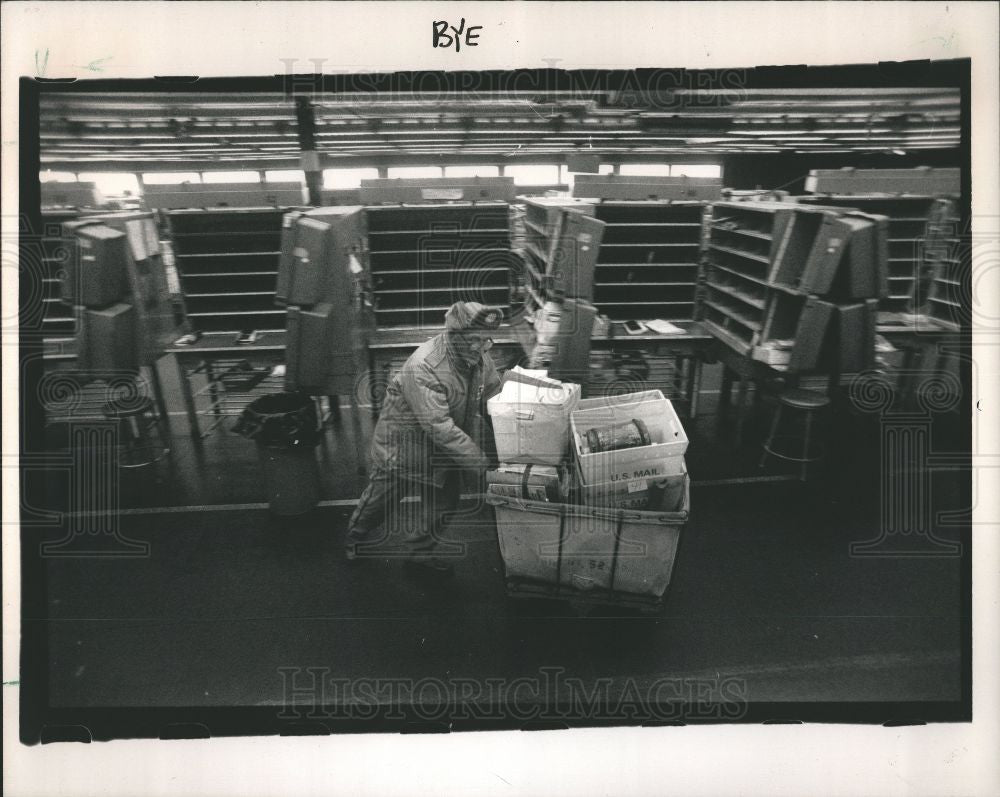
(428, 435)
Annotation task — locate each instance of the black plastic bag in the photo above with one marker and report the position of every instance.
(283, 420)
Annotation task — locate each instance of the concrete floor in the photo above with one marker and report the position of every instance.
(766, 602)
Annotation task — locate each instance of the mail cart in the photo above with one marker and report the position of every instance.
(589, 556)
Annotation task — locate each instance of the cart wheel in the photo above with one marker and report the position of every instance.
(524, 607)
(579, 608)
(514, 605)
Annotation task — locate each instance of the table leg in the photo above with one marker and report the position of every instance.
(911, 359)
(833, 383)
(741, 410)
(943, 358)
(805, 446)
(680, 376)
(334, 402)
(188, 396)
(358, 434)
(213, 388)
(371, 386)
(726, 388)
(161, 402)
(775, 422)
(694, 387)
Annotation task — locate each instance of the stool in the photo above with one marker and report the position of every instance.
(137, 419)
(808, 401)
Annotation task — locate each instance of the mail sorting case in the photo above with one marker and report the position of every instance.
(326, 286)
(108, 343)
(647, 263)
(161, 317)
(576, 549)
(57, 250)
(918, 227)
(425, 257)
(98, 277)
(227, 261)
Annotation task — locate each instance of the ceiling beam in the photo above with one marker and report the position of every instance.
(686, 155)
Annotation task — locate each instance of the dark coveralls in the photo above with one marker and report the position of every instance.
(428, 433)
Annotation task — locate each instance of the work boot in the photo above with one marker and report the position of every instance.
(354, 539)
(429, 566)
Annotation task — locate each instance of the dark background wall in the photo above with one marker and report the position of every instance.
(789, 171)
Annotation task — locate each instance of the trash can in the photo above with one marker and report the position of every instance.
(285, 427)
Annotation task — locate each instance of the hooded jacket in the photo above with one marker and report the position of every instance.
(432, 415)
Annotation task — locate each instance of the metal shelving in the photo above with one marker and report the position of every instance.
(923, 240)
(426, 257)
(219, 398)
(57, 322)
(743, 246)
(647, 266)
(785, 283)
(227, 262)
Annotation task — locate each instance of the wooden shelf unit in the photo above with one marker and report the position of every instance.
(923, 248)
(58, 319)
(161, 314)
(539, 221)
(782, 278)
(744, 243)
(648, 262)
(949, 294)
(426, 257)
(227, 263)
